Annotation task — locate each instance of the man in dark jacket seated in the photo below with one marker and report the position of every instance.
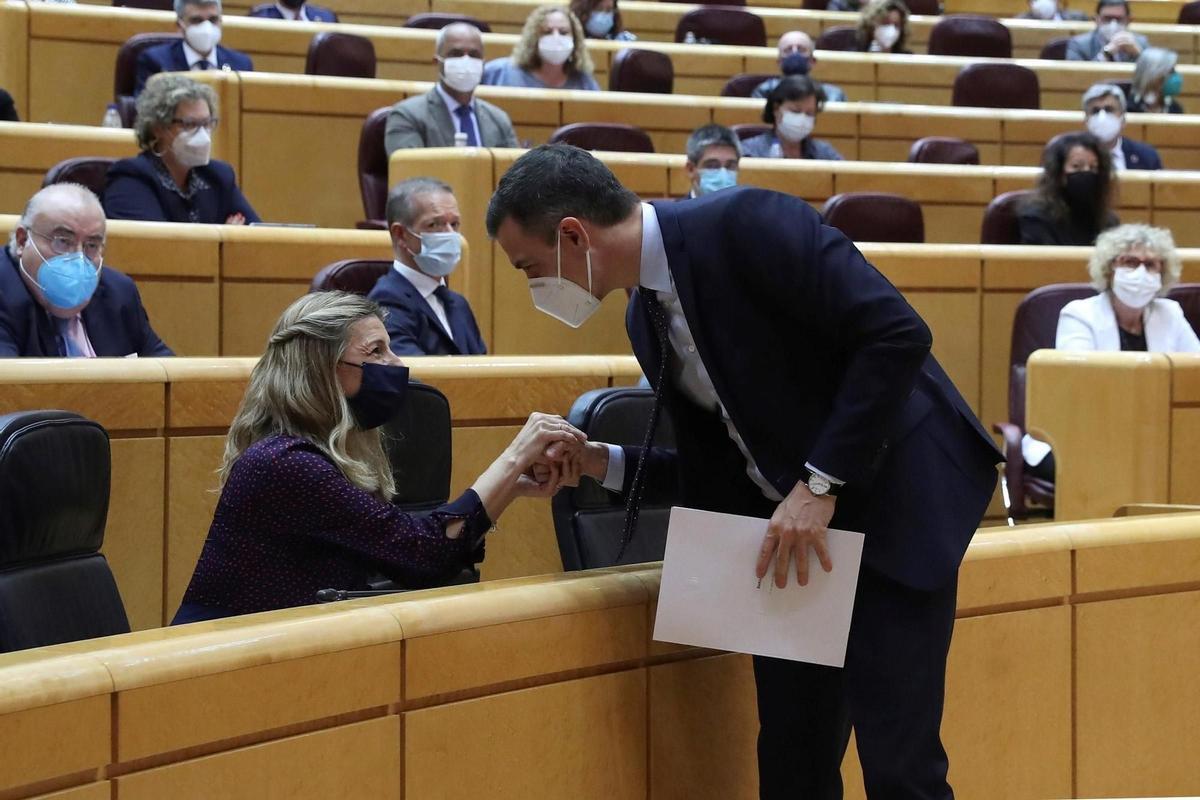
(1104, 117)
(424, 316)
(294, 10)
(56, 297)
(200, 23)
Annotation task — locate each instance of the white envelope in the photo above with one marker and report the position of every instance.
(709, 596)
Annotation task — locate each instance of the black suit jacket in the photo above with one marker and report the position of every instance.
(134, 190)
(1139, 155)
(817, 358)
(170, 58)
(115, 320)
(315, 13)
(415, 329)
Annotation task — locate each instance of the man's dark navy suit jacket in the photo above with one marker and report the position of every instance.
(817, 358)
(413, 327)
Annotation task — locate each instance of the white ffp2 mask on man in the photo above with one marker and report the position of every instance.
(566, 301)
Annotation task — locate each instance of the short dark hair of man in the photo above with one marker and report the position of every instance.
(1109, 3)
(400, 198)
(793, 87)
(555, 181)
(712, 135)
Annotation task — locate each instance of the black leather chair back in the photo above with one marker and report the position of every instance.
(970, 35)
(647, 71)
(839, 37)
(748, 130)
(434, 21)
(1000, 218)
(1035, 327)
(987, 85)
(125, 71)
(344, 55)
(373, 165)
(743, 84)
(1188, 296)
(1189, 13)
(611, 136)
(875, 217)
(589, 520)
(89, 171)
(54, 484)
(943, 150)
(1055, 49)
(722, 24)
(357, 275)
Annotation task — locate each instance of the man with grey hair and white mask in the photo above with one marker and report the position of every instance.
(200, 23)
(1104, 118)
(56, 296)
(450, 114)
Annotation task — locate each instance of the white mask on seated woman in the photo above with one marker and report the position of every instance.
(1136, 287)
(555, 48)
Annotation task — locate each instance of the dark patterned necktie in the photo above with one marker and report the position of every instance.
(203, 64)
(457, 332)
(633, 502)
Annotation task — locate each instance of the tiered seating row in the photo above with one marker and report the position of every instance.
(1054, 628)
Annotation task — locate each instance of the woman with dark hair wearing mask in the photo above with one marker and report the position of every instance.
(1072, 203)
(601, 19)
(305, 483)
(791, 109)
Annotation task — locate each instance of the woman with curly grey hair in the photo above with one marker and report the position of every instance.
(175, 178)
(1132, 267)
(551, 54)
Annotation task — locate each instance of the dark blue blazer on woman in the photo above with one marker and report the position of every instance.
(818, 359)
(413, 327)
(115, 320)
(170, 58)
(137, 189)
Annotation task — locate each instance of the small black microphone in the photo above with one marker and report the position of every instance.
(334, 595)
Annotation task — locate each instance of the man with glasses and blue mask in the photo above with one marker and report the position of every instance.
(424, 316)
(56, 296)
(797, 56)
(713, 153)
(199, 21)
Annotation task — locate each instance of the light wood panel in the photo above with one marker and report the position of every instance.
(133, 540)
(93, 791)
(361, 760)
(47, 741)
(584, 739)
(1151, 665)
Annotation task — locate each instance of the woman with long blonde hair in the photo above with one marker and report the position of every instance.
(551, 54)
(305, 483)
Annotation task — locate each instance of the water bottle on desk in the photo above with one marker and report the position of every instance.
(112, 117)
(460, 139)
(689, 38)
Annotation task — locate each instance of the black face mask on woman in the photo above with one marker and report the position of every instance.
(1082, 192)
(380, 396)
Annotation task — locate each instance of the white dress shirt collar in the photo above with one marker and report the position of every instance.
(423, 283)
(654, 273)
(300, 14)
(192, 56)
(1118, 155)
(452, 104)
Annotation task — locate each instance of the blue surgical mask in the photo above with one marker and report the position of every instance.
(599, 23)
(380, 394)
(440, 253)
(795, 64)
(1173, 85)
(714, 180)
(68, 280)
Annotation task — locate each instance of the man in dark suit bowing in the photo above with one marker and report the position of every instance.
(424, 316)
(802, 390)
(57, 297)
(200, 23)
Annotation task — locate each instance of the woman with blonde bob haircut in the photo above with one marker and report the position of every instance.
(1132, 267)
(305, 483)
(551, 54)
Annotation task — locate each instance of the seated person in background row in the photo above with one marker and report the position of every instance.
(56, 296)
(424, 316)
(200, 23)
(1156, 84)
(450, 107)
(1111, 40)
(305, 483)
(601, 19)
(792, 109)
(1072, 202)
(174, 178)
(1051, 11)
(883, 28)
(297, 10)
(1104, 117)
(551, 54)
(1132, 267)
(713, 152)
(8, 108)
(796, 57)
(844, 5)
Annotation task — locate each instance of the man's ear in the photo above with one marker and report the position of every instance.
(571, 230)
(21, 238)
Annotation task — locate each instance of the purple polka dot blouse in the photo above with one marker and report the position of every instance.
(289, 523)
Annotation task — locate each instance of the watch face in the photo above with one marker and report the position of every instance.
(818, 484)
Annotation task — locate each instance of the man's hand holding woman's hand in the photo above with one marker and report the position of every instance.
(549, 454)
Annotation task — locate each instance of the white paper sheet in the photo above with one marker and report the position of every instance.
(709, 596)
